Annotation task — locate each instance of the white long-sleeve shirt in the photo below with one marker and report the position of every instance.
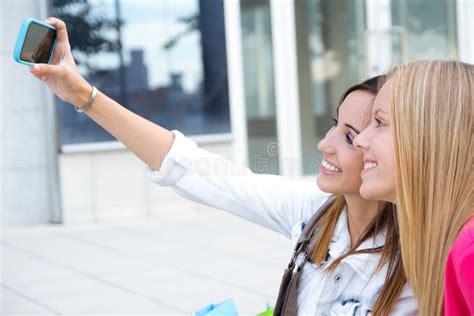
(282, 205)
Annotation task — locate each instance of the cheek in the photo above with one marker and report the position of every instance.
(385, 150)
(390, 165)
(386, 158)
(352, 164)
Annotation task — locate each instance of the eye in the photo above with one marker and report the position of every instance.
(349, 138)
(334, 121)
(378, 123)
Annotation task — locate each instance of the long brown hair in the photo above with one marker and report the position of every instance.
(386, 218)
(432, 123)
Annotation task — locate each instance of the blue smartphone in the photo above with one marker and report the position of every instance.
(35, 43)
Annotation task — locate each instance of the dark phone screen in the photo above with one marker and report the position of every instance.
(38, 44)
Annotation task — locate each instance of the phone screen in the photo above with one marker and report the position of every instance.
(38, 44)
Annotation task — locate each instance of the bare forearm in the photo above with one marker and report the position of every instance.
(147, 140)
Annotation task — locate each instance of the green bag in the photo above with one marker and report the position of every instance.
(268, 312)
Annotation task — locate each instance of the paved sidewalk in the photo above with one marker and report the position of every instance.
(141, 266)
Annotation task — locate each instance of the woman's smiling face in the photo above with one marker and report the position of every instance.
(376, 144)
(342, 162)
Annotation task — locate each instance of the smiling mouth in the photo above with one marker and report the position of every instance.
(328, 168)
(369, 165)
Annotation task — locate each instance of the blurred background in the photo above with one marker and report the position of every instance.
(254, 80)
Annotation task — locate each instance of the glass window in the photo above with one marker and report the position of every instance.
(259, 86)
(164, 60)
(330, 48)
(429, 27)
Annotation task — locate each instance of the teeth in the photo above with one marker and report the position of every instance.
(330, 167)
(369, 165)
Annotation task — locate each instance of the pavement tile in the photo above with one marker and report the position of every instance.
(84, 295)
(15, 304)
(20, 268)
(146, 267)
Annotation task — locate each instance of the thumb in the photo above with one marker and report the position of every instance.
(44, 71)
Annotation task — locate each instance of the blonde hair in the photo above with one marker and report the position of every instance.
(432, 122)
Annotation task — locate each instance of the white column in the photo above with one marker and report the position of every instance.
(378, 36)
(30, 193)
(286, 87)
(238, 118)
(465, 25)
(52, 143)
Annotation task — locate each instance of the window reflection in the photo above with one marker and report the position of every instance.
(257, 50)
(331, 57)
(429, 25)
(173, 68)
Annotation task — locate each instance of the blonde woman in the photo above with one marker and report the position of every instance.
(350, 262)
(418, 154)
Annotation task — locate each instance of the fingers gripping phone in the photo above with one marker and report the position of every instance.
(35, 43)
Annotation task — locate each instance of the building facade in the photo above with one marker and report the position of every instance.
(254, 80)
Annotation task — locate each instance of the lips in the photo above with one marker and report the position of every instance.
(369, 165)
(329, 168)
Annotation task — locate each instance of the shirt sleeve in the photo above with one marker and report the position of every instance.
(272, 201)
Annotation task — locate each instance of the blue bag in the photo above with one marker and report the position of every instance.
(225, 308)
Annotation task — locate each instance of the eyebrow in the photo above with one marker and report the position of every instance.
(380, 110)
(352, 127)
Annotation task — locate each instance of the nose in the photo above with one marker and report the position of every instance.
(326, 145)
(361, 141)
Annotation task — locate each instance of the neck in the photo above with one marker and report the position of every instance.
(360, 214)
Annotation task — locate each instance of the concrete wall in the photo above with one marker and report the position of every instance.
(113, 185)
(27, 143)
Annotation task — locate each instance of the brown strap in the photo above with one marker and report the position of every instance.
(286, 304)
(285, 281)
(290, 305)
(309, 228)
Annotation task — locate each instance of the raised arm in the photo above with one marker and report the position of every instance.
(271, 201)
(147, 140)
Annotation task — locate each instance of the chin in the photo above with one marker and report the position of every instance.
(324, 185)
(320, 183)
(332, 187)
(366, 194)
(374, 192)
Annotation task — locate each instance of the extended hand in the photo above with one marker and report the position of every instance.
(61, 75)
